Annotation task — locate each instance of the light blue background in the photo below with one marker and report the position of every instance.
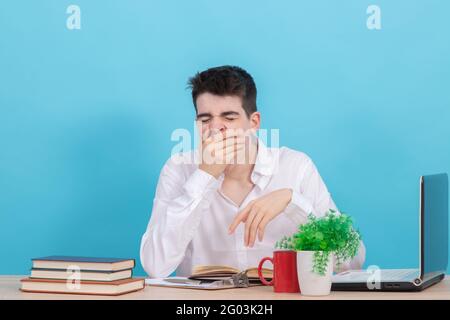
(86, 115)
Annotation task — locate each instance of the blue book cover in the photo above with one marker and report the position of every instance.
(81, 259)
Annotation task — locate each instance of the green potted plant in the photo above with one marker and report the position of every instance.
(285, 243)
(318, 242)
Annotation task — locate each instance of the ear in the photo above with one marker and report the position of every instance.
(255, 119)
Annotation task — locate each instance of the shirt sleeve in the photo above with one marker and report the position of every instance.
(176, 214)
(313, 197)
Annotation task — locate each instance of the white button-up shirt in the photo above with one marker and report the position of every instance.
(190, 216)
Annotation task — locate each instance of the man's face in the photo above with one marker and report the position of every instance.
(218, 113)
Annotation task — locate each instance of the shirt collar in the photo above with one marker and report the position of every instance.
(265, 165)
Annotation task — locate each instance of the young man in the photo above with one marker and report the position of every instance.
(220, 211)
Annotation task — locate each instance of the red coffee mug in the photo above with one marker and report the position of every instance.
(284, 271)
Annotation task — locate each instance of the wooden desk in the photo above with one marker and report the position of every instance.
(9, 289)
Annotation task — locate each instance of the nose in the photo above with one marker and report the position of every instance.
(217, 124)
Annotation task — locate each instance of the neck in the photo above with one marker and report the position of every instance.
(239, 172)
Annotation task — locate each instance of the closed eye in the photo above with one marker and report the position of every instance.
(204, 119)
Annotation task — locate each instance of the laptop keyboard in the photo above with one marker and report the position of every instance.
(382, 275)
(399, 274)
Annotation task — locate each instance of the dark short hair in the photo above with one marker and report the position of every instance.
(225, 81)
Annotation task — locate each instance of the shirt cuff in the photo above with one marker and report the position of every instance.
(199, 183)
(298, 208)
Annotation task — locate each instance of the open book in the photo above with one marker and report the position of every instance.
(212, 278)
(202, 272)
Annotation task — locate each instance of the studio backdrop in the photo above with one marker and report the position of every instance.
(91, 92)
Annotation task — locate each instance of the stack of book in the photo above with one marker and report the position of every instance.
(82, 275)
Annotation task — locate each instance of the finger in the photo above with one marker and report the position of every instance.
(206, 134)
(239, 217)
(219, 135)
(250, 204)
(207, 156)
(227, 155)
(248, 224)
(262, 227)
(254, 227)
(233, 140)
(208, 152)
(208, 141)
(232, 156)
(233, 148)
(227, 134)
(212, 148)
(240, 154)
(221, 144)
(233, 133)
(229, 146)
(221, 156)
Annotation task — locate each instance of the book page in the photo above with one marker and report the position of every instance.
(209, 270)
(253, 273)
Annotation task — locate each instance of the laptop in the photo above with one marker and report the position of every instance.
(433, 248)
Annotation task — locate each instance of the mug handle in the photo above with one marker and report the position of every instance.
(264, 281)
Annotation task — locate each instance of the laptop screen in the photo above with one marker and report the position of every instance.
(435, 223)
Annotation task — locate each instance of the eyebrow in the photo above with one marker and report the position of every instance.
(223, 114)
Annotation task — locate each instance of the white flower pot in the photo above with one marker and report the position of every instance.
(311, 283)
